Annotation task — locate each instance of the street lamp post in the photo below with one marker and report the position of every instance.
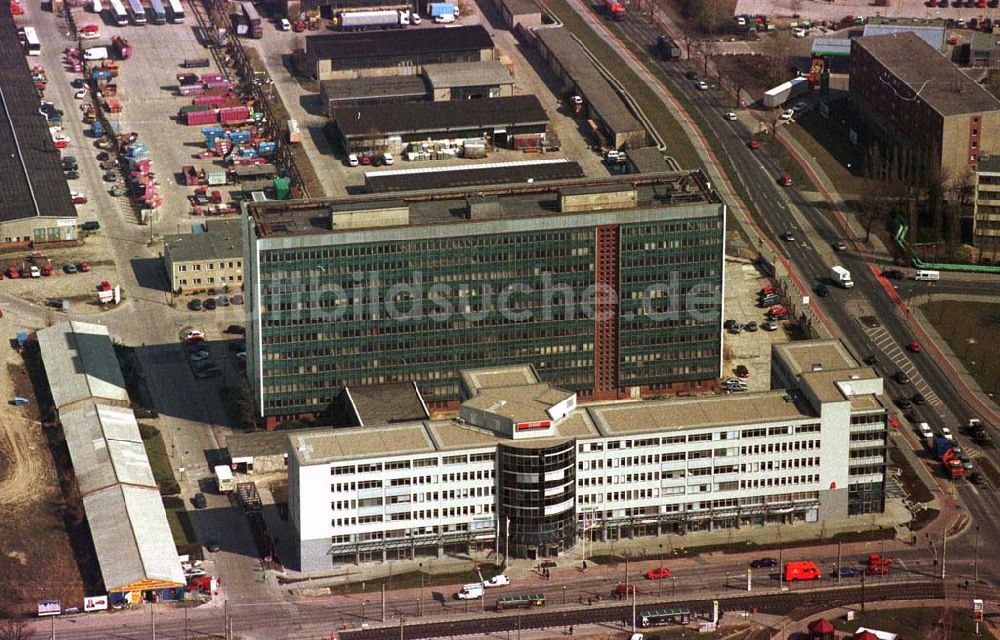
(420, 602)
(364, 603)
(975, 561)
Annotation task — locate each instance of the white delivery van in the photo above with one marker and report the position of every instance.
(97, 53)
(471, 591)
(224, 478)
(927, 274)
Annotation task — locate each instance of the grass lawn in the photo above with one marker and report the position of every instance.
(827, 142)
(159, 461)
(180, 523)
(970, 329)
(923, 622)
(678, 144)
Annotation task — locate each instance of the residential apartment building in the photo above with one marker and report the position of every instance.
(911, 94)
(525, 468)
(212, 259)
(986, 209)
(610, 288)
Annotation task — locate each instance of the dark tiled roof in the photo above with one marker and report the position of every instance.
(449, 115)
(388, 403)
(389, 181)
(32, 183)
(371, 88)
(940, 83)
(397, 42)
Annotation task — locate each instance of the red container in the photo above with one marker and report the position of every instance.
(221, 84)
(215, 101)
(212, 77)
(234, 114)
(193, 118)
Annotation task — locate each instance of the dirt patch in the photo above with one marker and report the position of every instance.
(911, 483)
(970, 329)
(38, 560)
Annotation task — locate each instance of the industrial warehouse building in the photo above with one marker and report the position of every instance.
(500, 121)
(392, 53)
(462, 81)
(525, 455)
(912, 96)
(656, 239)
(580, 77)
(128, 523)
(527, 171)
(519, 15)
(36, 206)
(358, 92)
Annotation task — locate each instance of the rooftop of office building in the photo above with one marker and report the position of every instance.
(683, 191)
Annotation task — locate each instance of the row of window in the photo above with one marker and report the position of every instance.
(209, 280)
(445, 512)
(484, 474)
(232, 264)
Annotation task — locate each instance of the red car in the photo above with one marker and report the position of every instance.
(13, 273)
(914, 347)
(659, 573)
(754, 144)
(742, 371)
(766, 291)
(786, 180)
(83, 267)
(622, 590)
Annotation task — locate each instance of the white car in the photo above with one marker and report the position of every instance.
(702, 85)
(35, 271)
(285, 25)
(499, 580)
(787, 114)
(946, 433)
(81, 94)
(799, 33)
(352, 160)
(195, 572)
(387, 158)
(729, 115)
(414, 19)
(925, 430)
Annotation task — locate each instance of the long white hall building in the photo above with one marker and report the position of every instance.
(525, 462)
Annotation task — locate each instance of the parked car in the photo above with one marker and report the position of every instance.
(236, 299)
(750, 326)
(729, 115)
(847, 572)
(81, 94)
(388, 158)
(742, 371)
(34, 272)
(69, 267)
(13, 273)
(212, 545)
(79, 198)
(235, 329)
(901, 378)
(770, 325)
(194, 304)
(871, 359)
(352, 160)
(110, 177)
(223, 300)
(192, 333)
(919, 399)
(199, 501)
(209, 304)
(73, 175)
(91, 225)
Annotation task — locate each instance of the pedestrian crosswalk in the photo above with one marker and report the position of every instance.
(888, 346)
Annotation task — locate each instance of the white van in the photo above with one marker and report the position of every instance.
(471, 591)
(927, 274)
(97, 53)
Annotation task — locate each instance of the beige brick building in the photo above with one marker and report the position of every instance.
(986, 217)
(209, 260)
(909, 91)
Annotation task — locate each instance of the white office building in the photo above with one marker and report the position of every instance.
(524, 462)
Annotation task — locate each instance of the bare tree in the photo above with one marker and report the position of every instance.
(16, 629)
(712, 15)
(688, 41)
(778, 46)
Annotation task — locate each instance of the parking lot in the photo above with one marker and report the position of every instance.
(751, 349)
(337, 179)
(838, 9)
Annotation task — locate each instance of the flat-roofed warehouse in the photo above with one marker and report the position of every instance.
(389, 127)
(471, 175)
(358, 92)
(524, 14)
(463, 80)
(36, 206)
(579, 76)
(392, 53)
(125, 513)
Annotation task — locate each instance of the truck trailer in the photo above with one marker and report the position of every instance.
(841, 276)
(668, 48)
(786, 91)
(360, 20)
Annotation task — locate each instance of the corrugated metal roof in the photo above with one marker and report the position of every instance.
(132, 537)
(467, 74)
(932, 35)
(446, 115)
(80, 363)
(837, 47)
(105, 447)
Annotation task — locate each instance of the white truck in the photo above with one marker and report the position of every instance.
(224, 478)
(841, 276)
(784, 92)
(361, 20)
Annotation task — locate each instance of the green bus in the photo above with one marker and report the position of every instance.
(520, 602)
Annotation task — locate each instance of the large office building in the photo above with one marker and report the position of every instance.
(610, 288)
(913, 96)
(525, 462)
